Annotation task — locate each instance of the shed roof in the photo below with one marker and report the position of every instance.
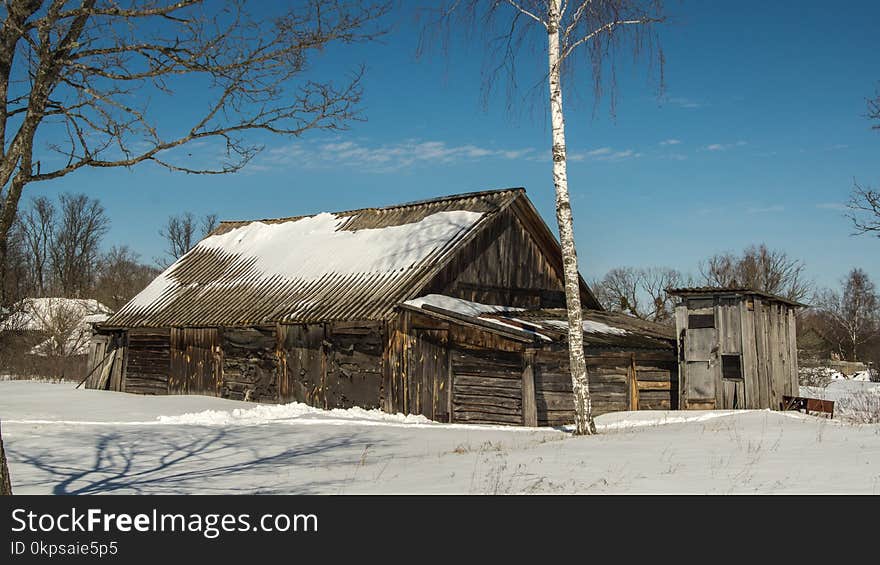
(601, 329)
(745, 291)
(352, 265)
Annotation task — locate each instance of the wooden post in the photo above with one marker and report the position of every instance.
(449, 383)
(529, 404)
(633, 399)
(681, 319)
(5, 480)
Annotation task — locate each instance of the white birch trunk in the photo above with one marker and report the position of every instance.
(580, 384)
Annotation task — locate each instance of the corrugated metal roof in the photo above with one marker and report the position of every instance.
(353, 265)
(703, 290)
(601, 329)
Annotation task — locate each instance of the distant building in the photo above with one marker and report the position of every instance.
(56, 325)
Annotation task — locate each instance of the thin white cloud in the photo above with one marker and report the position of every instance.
(766, 209)
(832, 206)
(604, 154)
(724, 146)
(666, 142)
(608, 154)
(683, 102)
(385, 157)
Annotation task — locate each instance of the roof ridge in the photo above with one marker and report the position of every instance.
(449, 197)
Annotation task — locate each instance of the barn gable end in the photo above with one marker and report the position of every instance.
(514, 261)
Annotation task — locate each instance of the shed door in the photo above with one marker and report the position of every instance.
(428, 376)
(701, 352)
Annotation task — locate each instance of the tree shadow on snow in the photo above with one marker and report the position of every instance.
(212, 462)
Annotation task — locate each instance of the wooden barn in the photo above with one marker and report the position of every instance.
(451, 308)
(737, 348)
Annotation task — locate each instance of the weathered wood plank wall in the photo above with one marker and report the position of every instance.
(149, 361)
(196, 361)
(758, 332)
(503, 265)
(611, 377)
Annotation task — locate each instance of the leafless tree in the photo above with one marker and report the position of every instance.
(854, 312)
(38, 231)
(5, 479)
(121, 276)
(209, 223)
(758, 268)
(181, 232)
(575, 32)
(864, 202)
(61, 320)
(84, 84)
(864, 210)
(655, 281)
(618, 290)
(16, 271)
(638, 292)
(75, 250)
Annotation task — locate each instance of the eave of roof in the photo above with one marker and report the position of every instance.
(704, 290)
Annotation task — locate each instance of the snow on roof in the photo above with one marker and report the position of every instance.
(458, 305)
(37, 314)
(590, 327)
(330, 266)
(601, 329)
(95, 318)
(477, 310)
(311, 248)
(67, 322)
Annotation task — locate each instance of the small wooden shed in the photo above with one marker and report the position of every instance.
(737, 348)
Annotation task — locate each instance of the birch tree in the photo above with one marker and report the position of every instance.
(854, 313)
(88, 84)
(588, 31)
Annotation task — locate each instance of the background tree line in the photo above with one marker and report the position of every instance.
(844, 321)
(56, 249)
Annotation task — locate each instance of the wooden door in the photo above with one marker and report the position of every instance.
(428, 367)
(701, 362)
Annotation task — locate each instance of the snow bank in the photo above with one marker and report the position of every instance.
(854, 400)
(640, 419)
(278, 413)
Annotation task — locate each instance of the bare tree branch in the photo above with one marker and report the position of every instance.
(864, 210)
(83, 86)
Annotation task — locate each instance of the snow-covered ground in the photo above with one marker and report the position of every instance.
(61, 440)
(854, 400)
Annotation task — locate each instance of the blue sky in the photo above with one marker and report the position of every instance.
(757, 138)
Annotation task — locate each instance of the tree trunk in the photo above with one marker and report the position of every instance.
(4, 245)
(5, 481)
(580, 385)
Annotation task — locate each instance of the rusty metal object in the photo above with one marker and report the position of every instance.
(808, 405)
